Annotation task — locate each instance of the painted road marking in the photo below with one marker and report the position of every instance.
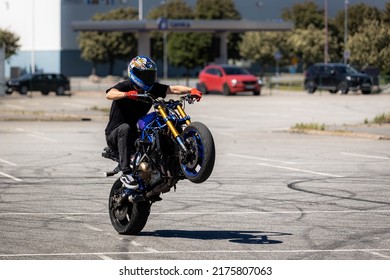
(365, 250)
(8, 162)
(383, 211)
(260, 158)
(300, 170)
(11, 177)
(365, 156)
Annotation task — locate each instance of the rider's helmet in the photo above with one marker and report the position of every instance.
(142, 72)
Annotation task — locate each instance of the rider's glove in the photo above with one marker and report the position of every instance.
(195, 93)
(132, 94)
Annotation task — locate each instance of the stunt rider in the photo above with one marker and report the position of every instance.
(126, 109)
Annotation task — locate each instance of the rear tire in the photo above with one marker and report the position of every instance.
(126, 217)
(310, 86)
(60, 90)
(197, 167)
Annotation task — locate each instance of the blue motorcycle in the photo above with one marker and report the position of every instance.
(169, 148)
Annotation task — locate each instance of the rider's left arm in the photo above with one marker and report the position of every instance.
(178, 89)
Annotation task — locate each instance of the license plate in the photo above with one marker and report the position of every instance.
(366, 85)
(249, 86)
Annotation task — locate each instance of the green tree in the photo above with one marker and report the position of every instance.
(262, 46)
(386, 14)
(10, 41)
(106, 47)
(356, 14)
(182, 53)
(171, 9)
(304, 14)
(220, 9)
(308, 44)
(370, 46)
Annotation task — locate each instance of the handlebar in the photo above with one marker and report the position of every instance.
(148, 97)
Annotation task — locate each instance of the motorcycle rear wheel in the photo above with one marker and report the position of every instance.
(126, 217)
(199, 140)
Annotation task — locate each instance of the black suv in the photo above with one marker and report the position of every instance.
(336, 77)
(43, 82)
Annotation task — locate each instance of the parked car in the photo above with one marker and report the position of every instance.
(336, 77)
(43, 82)
(228, 79)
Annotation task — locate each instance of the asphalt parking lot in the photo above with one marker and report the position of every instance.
(273, 194)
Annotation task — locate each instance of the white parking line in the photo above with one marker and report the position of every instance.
(300, 170)
(365, 156)
(337, 212)
(8, 162)
(260, 158)
(371, 251)
(11, 177)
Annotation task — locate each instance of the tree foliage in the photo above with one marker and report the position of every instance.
(172, 9)
(10, 41)
(370, 45)
(304, 14)
(309, 45)
(105, 47)
(262, 46)
(355, 17)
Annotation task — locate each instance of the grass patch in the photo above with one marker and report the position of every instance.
(309, 126)
(379, 119)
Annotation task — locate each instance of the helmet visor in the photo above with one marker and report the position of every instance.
(148, 77)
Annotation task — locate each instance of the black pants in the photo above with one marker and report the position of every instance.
(122, 140)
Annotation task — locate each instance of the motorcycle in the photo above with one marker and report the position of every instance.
(169, 148)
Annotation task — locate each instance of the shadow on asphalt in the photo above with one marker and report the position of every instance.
(245, 237)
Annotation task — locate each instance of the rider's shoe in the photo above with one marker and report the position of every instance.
(129, 181)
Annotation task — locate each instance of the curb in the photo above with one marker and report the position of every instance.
(340, 133)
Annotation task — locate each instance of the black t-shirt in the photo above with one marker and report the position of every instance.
(128, 111)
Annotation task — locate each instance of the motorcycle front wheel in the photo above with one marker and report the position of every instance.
(126, 217)
(198, 163)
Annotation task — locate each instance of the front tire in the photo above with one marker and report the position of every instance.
(126, 217)
(198, 164)
(23, 90)
(343, 87)
(226, 90)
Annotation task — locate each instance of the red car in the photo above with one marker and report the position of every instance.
(228, 79)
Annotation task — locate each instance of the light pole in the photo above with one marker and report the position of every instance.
(165, 39)
(33, 38)
(326, 31)
(140, 9)
(346, 53)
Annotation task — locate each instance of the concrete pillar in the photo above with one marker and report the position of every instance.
(222, 47)
(144, 43)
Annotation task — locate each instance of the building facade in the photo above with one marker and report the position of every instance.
(49, 41)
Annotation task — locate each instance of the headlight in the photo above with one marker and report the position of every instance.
(349, 78)
(234, 82)
(260, 82)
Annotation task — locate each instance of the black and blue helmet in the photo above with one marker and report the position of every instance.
(142, 72)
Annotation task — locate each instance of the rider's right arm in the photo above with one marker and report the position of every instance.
(115, 94)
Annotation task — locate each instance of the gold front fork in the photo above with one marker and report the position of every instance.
(182, 113)
(169, 122)
(172, 128)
